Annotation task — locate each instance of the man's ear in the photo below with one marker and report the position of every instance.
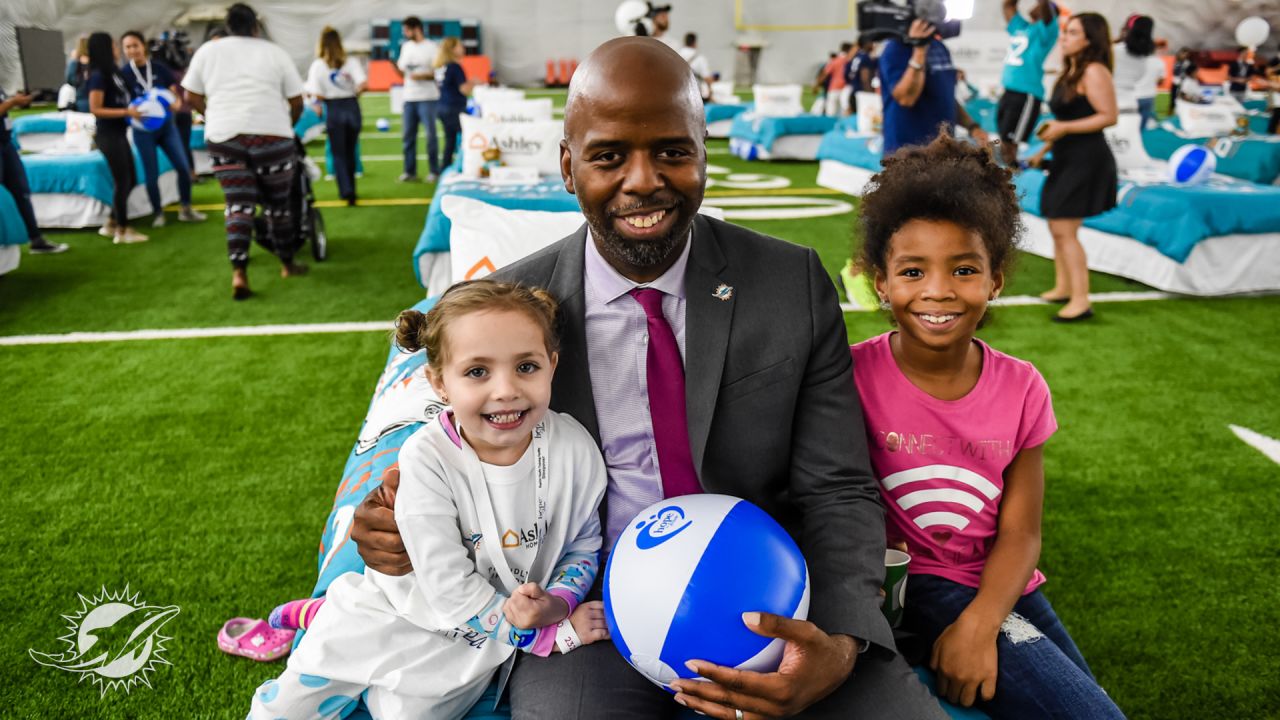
(566, 166)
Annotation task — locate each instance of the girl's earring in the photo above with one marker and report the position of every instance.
(884, 303)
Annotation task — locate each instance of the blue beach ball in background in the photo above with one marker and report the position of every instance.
(683, 572)
(1191, 165)
(154, 106)
(382, 124)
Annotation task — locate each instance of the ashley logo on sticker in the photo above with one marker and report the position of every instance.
(661, 527)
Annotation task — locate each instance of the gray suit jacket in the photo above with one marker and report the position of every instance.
(774, 416)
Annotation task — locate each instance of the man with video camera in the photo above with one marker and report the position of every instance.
(918, 86)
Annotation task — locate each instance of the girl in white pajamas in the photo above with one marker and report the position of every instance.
(498, 508)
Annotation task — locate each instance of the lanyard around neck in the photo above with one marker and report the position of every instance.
(492, 542)
(148, 81)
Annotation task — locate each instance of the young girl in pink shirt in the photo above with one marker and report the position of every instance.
(956, 431)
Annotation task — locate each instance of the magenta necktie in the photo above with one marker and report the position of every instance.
(665, 373)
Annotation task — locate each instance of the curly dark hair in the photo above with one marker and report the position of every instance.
(949, 180)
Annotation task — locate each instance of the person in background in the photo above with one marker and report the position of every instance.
(338, 81)
(698, 63)
(918, 88)
(142, 74)
(1241, 70)
(1082, 180)
(1273, 95)
(13, 176)
(250, 94)
(860, 72)
(1183, 68)
(416, 63)
(1029, 44)
(965, 90)
(1138, 71)
(78, 73)
(454, 89)
(109, 103)
(833, 78)
(661, 15)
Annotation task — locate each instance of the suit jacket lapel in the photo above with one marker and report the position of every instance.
(708, 316)
(571, 388)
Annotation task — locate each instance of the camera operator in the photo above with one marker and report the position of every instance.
(918, 86)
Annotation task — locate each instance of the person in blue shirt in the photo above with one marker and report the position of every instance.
(1029, 44)
(454, 89)
(142, 74)
(860, 72)
(918, 88)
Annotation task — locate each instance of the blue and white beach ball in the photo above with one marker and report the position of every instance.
(382, 124)
(684, 571)
(1191, 165)
(154, 106)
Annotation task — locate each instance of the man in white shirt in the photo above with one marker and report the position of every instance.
(417, 64)
(698, 63)
(250, 94)
(661, 15)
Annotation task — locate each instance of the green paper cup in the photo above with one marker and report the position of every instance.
(896, 563)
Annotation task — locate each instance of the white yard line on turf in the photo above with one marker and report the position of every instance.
(1263, 444)
(1033, 300)
(350, 327)
(187, 333)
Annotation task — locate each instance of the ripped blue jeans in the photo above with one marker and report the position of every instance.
(1041, 671)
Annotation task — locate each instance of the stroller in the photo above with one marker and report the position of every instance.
(308, 224)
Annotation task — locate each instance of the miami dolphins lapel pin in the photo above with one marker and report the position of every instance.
(723, 292)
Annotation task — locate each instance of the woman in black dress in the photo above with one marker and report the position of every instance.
(109, 103)
(1082, 179)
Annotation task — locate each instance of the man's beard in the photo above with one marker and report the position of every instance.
(637, 253)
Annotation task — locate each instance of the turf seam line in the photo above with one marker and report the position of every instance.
(193, 333)
(383, 326)
(1021, 300)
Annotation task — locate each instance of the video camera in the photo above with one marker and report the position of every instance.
(883, 19)
(172, 48)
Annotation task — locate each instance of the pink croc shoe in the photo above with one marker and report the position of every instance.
(254, 639)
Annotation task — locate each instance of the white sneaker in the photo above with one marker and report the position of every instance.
(189, 214)
(128, 236)
(159, 221)
(108, 230)
(406, 177)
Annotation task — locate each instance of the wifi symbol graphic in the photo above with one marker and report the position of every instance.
(963, 490)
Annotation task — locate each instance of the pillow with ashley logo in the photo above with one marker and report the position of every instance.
(777, 100)
(486, 237)
(523, 144)
(535, 110)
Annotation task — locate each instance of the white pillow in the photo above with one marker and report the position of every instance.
(523, 144)
(535, 110)
(870, 112)
(483, 94)
(486, 237)
(1125, 140)
(777, 100)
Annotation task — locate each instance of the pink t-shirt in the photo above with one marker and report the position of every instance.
(941, 463)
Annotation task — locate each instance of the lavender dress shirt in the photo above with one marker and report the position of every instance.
(617, 349)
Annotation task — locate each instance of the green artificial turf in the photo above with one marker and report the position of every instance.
(199, 472)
